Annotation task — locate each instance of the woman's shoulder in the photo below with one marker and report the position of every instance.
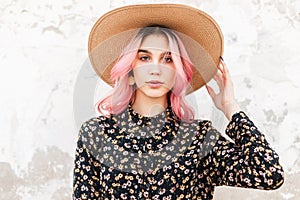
(97, 120)
(94, 125)
(198, 123)
(200, 127)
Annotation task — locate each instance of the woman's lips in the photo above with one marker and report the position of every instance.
(154, 84)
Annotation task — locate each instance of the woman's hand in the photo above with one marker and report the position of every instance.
(224, 100)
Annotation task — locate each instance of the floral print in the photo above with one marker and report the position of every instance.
(130, 156)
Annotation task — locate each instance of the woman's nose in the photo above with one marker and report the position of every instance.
(154, 69)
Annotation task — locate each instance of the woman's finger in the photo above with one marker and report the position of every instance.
(226, 76)
(210, 91)
(219, 79)
(225, 69)
(220, 67)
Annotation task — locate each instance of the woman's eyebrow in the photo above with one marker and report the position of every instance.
(143, 51)
(146, 51)
(167, 53)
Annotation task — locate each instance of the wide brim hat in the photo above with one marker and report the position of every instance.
(198, 31)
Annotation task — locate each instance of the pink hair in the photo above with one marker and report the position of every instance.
(123, 93)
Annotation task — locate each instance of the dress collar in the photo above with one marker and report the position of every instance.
(132, 128)
(141, 120)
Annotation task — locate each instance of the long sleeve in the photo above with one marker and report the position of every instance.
(87, 168)
(250, 162)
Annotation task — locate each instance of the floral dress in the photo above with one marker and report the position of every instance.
(130, 156)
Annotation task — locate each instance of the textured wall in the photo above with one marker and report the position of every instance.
(47, 88)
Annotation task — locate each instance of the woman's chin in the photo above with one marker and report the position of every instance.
(156, 93)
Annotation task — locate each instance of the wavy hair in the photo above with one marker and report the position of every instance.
(123, 94)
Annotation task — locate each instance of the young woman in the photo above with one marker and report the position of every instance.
(147, 144)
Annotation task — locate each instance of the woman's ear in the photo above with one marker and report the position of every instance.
(131, 80)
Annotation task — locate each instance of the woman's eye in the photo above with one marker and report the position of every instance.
(144, 58)
(168, 59)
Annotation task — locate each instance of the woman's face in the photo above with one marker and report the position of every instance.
(153, 67)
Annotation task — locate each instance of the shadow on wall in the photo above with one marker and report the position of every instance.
(49, 173)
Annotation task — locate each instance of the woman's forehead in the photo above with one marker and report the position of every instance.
(155, 42)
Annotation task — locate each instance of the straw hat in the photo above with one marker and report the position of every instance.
(199, 32)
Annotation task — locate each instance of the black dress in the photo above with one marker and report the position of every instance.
(129, 156)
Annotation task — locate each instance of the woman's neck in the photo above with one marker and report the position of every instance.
(149, 106)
